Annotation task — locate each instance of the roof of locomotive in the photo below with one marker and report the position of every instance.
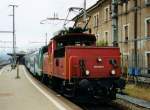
(73, 35)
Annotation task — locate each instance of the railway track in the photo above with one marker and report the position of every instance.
(87, 106)
(118, 104)
(115, 105)
(99, 106)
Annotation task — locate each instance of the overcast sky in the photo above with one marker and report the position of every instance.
(29, 13)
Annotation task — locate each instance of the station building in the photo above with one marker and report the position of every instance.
(133, 19)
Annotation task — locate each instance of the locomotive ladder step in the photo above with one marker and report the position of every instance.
(70, 83)
(68, 89)
(69, 96)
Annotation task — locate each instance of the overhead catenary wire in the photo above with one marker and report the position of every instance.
(66, 18)
(6, 32)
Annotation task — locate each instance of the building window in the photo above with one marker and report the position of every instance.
(125, 7)
(148, 62)
(147, 26)
(106, 13)
(96, 20)
(97, 36)
(126, 33)
(147, 2)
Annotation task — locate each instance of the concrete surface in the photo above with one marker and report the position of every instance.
(28, 94)
(140, 102)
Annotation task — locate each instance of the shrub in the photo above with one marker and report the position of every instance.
(102, 43)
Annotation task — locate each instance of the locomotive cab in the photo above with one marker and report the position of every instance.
(64, 42)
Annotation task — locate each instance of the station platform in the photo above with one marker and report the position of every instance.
(26, 93)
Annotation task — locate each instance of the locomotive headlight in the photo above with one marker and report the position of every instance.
(113, 72)
(87, 72)
(99, 60)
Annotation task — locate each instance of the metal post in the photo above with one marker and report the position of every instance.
(84, 11)
(14, 37)
(17, 77)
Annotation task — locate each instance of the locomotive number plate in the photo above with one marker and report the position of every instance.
(96, 66)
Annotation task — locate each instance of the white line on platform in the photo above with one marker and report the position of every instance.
(59, 106)
(2, 70)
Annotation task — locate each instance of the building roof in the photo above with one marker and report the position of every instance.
(97, 4)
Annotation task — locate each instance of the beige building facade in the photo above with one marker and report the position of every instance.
(100, 24)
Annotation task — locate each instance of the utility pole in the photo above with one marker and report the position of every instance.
(14, 37)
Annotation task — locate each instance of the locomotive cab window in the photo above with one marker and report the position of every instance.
(59, 52)
(72, 39)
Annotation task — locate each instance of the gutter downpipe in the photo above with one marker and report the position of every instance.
(135, 33)
(115, 22)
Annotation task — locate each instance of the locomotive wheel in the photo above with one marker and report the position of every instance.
(55, 83)
(113, 94)
(69, 90)
(38, 77)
